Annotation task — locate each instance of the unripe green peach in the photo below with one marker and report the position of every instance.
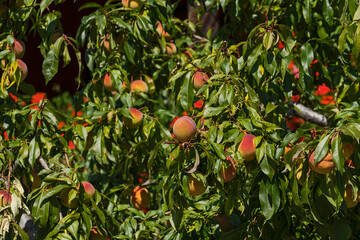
(199, 79)
(23, 68)
(247, 147)
(324, 166)
(107, 83)
(140, 198)
(171, 49)
(134, 4)
(139, 85)
(64, 197)
(135, 121)
(184, 129)
(196, 187)
(6, 197)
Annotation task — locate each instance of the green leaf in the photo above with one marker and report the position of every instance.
(322, 149)
(357, 14)
(213, 111)
(130, 52)
(356, 47)
(186, 94)
(254, 56)
(44, 4)
(342, 40)
(337, 156)
(307, 55)
(307, 12)
(328, 12)
(34, 151)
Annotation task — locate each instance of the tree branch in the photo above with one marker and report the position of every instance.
(309, 115)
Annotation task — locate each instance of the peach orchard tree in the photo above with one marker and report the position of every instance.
(251, 132)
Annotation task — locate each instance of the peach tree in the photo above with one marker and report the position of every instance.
(250, 132)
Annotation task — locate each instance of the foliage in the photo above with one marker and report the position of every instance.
(268, 55)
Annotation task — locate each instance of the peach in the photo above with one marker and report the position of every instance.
(19, 48)
(139, 85)
(228, 173)
(105, 42)
(108, 83)
(188, 54)
(55, 36)
(64, 197)
(199, 79)
(135, 121)
(140, 198)
(96, 235)
(349, 197)
(224, 223)
(184, 129)
(196, 187)
(324, 166)
(247, 147)
(5, 197)
(171, 49)
(88, 187)
(134, 4)
(24, 69)
(162, 32)
(347, 149)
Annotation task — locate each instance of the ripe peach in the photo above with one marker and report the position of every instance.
(349, 197)
(196, 187)
(247, 147)
(23, 68)
(326, 165)
(105, 42)
(228, 173)
(19, 48)
(199, 79)
(107, 83)
(64, 197)
(188, 54)
(184, 129)
(139, 85)
(89, 191)
(96, 235)
(88, 187)
(135, 121)
(140, 198)
(134, 4)
(347, 149)
(171, 49)
(5, 197)
(162, 32)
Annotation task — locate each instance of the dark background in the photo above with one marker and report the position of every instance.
(64, 79)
